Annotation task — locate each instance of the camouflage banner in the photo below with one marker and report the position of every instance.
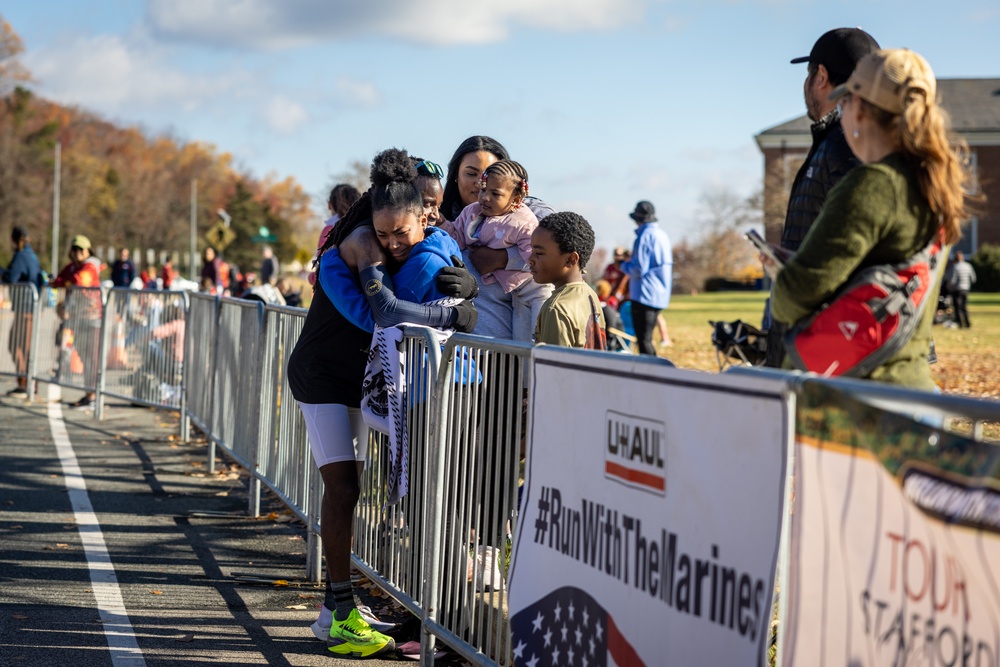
(895, 540)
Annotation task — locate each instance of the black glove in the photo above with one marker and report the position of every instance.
(466, 317)
(456, 280)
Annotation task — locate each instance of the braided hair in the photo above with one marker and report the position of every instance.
(451, 204)
(392, 176)
(517, 174)
(571, 232)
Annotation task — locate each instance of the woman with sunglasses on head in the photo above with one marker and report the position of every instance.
(908, 191)
(325, 371)
(428, 183)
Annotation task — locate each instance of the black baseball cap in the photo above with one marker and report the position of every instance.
(840, 50)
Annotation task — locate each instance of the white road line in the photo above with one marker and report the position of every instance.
(117, 627)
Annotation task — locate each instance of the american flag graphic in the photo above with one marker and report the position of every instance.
(569, 628)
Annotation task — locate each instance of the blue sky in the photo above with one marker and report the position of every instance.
(605, 102)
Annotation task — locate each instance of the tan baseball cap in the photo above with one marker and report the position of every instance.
(80, 241)
(886, 77)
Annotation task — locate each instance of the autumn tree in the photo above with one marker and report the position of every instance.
(122, 187)
(12, 72)
(27, 139)
(720, 251)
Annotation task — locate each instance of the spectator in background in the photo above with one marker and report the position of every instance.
(909, 190)
(149, 281)
(612, 319)
(650, 275)
(211, 276)
(960, 282)
(83, 270)
(269, 267)
(122, 270)
(831, 62)
(168, 273)
(342, 197)
(292, 298)
(24, 266)
(616, 278)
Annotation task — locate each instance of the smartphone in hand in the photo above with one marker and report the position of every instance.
(765, 249)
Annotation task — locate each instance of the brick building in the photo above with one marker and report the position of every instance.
(974, 107)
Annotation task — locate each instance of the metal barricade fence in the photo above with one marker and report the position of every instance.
(17, 312)
(482, 393)
(199, 352)
(236, 387)
(389, 540)
(143, 350)
(285, 463)
(443, 550)
(66, 350)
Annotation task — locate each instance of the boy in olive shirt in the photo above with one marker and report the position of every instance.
(560, 247)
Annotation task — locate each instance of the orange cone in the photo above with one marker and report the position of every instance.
(117, 357)
(75, 363)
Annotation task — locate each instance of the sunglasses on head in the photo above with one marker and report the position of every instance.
(430, 168)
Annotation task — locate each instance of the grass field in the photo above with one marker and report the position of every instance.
(969, 359)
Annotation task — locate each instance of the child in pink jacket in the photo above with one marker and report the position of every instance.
(499, 220)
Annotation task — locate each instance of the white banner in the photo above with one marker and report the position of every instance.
(649, 524)
(883, 574)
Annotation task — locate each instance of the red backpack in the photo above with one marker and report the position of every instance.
(869, 319)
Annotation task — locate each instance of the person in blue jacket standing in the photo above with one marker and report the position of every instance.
(650, 272)
(23, 268)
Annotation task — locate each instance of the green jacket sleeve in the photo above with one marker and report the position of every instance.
(852, 221)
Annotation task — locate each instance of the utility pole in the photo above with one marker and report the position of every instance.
(194, 230)
(55, 211)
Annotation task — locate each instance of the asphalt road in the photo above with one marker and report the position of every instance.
(141, 558)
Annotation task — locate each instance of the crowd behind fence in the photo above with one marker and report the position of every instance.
(443, 550)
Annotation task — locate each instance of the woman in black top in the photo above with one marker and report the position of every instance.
(325, 373)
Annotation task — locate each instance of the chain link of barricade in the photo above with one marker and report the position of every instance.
(443, 551)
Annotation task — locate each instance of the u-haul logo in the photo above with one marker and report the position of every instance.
(636, 451)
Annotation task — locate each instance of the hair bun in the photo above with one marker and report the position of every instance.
(392, 166)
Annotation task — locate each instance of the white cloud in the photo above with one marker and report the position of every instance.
(266, 24)
(109, 73)
(285, 115)
(352, 92)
